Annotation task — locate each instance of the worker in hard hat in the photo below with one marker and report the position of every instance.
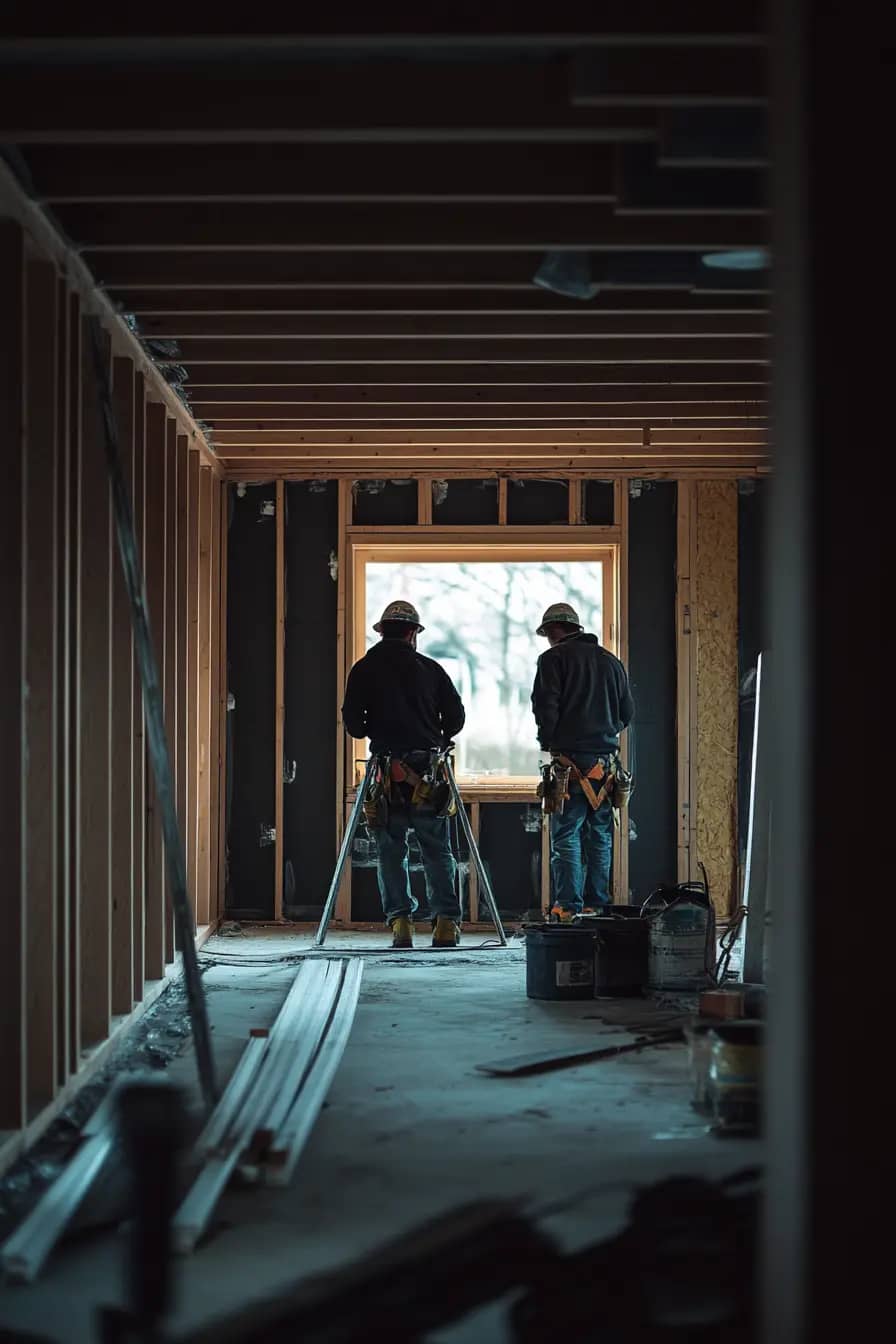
(581, 701)
(407, 705)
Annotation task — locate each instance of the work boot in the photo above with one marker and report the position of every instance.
(560, 915)
(445, 933)
(402, 931)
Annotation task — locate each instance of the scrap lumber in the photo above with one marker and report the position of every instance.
(522, 1066)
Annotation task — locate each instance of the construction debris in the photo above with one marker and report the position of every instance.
(522, 1066)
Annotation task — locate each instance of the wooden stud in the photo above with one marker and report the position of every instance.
(347, 615)
(621, 842)
(224, 516)
(139, 730)
(182, 667)
(473, 876)
(343, 523)
(40, 671)
(204, 695)
(94, 712)
(122, 688)
(685, 666)
(73, 768)
(63, 684)
(154, 551)
(169, 656)
(216, 666)
(424, 501)
(192, 826)
(576, 501)
(279, 702)
(502, 501)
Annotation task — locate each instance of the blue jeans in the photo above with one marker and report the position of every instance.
(439, 866)
(581, 853)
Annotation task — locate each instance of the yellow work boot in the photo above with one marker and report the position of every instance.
(559, 915)
(402, 932)
(445, 932)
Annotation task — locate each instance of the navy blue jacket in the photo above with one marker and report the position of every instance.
(401, 700)
(581, 698)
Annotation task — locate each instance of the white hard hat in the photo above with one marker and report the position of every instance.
(561, 613)
(399, 611)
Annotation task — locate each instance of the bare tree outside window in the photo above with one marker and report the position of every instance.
(480, 620)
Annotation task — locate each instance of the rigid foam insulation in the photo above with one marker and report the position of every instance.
(715, 619)
(653, 809)
(534, 502)
(309, 824)
(251, 616)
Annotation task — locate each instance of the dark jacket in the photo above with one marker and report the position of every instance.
(401, 700)
(581, 698)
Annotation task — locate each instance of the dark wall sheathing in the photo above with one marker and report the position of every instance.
(251, 615)
(309, 824)
(751, 509)
(466, 502)
(653, 811)
(395, 505)
(599, 501)
(512, 856)
(536, 502)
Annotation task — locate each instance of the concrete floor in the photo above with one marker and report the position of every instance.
(411, 1130)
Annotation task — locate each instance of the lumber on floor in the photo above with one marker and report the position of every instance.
(273, 1098)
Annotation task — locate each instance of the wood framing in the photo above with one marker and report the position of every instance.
(191, 836)
(619, 644)
(41, 668)
(169, 653)
(64, 647)
(223, 524)
(94, 713)
(182, 661)
(154, 551)
(122, 688)
(344, 518)
(472, 874)
(139, 730)
(217, 672)
(279, 698)
(202, 897)
(85, 917)
(686, 699)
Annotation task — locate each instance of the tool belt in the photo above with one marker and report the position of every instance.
(615, 783)
(397, 783)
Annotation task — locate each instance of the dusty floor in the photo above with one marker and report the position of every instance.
(411, 1130)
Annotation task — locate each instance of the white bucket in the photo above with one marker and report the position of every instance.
(677, 947)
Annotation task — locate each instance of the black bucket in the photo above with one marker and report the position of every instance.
(559, 962)
(620, 953)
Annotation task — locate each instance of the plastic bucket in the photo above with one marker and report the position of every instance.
(620, 953)
(559, 962)
(733, 1085)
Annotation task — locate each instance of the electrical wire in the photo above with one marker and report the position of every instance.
(727, 942)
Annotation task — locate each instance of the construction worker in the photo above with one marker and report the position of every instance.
(407, 705)
(581, 701)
